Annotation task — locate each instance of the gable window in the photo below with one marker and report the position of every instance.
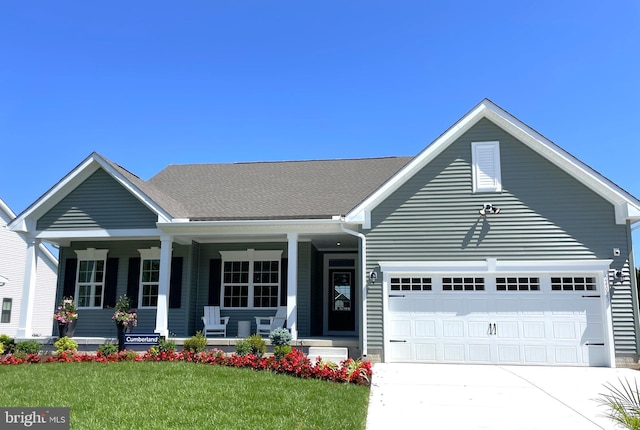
(90, 277)
(486, 167)
(149, 277)
(250, 279)
(5, 317)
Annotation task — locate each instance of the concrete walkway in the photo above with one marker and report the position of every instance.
(458, 396)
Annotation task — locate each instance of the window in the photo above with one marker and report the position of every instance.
(573, 284)
(463, 284)
(5, 317)
(410, 284)
(486, 167)
(250, 279)
(518, 284)
(90, 277)
(149, 277)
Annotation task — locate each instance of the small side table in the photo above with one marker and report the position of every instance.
(244, 328)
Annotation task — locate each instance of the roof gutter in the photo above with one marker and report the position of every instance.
(363, 277)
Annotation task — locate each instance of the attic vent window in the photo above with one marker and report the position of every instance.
(486, 167)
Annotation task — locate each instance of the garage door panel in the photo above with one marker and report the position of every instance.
(400, 351)
(425, 328)
(479, 353)
(451, 306)
(420, 305)
(564, 330)
(454, 353)
(400, 328)
(426, 352)
(453, 329)
(533, 330)
(477, 307)
(535, 354)
(536, 326)
(566, 355)
(533, 306)
(509, 354)
(592, 332)
(507, 307)
(478, 329)
(507, 330)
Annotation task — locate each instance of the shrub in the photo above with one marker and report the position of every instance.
(280, 337)
(108, 348)
(8, 342)
(281, 350)
(28, 347)
(196, 343)
(243, 347)
(165, 345)
(65, 344)
(623, 404)
(258, 345)
(1, 348)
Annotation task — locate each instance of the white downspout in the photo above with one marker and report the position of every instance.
(363, 277)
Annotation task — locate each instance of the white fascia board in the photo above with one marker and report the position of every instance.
(361, 212)
(558, 156)
(56, 193)
(495, 266)
(251, 227)
(627, 211)
(72, 180)
(64, 235)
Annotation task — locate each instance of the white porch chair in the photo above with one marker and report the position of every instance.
(213, 323)
(265, 325)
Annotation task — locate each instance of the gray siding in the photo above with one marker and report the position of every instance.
(98, 203)
(546, 214)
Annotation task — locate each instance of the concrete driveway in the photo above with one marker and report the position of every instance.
(458, 396)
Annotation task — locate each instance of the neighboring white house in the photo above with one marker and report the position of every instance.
(13, 257)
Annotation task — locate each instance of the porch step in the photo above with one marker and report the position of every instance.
(333, 354)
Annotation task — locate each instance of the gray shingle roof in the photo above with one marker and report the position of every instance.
(166, 202)
(274, 190)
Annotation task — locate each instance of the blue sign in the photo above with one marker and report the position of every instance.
(141, 338)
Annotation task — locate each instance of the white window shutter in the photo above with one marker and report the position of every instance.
(486, 167)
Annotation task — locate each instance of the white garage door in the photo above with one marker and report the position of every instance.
(513, 319)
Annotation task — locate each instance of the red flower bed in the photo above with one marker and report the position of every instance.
(295, 363)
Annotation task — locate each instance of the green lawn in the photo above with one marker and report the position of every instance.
(180, 395)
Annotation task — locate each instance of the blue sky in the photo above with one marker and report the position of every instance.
(152, 83)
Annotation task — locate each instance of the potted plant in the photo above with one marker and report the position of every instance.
(66, 316)
(125, 318)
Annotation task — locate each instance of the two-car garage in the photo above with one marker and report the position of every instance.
(498, 312)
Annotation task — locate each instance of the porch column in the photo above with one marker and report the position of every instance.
(28, 289)
(162, 310)
(292, 284)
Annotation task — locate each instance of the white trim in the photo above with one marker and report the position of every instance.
(325, 294)
(152, 253)
(251, 255)
(491, 265)
(91, 254)
(486, 168)
(292, 284)
(71, 181)
(162, 310)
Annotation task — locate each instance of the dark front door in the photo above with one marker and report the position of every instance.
(342, 313)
